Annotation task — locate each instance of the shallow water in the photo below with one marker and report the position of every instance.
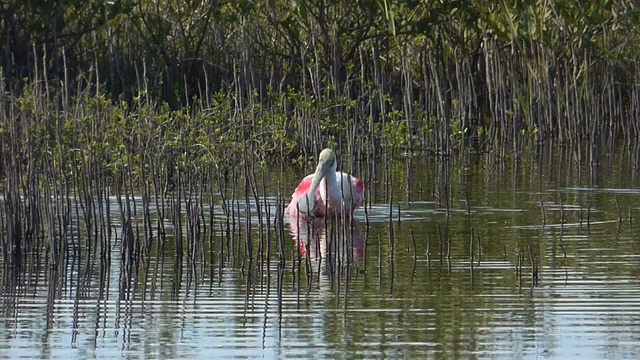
(578, 226)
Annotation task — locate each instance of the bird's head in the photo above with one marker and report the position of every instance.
(326, 163)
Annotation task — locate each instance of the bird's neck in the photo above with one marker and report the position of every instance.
(330, 186)
(330, 178)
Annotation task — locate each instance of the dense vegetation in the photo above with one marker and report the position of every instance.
(144, 97)
(418, 74)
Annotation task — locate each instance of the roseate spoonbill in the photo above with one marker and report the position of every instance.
(326, 189)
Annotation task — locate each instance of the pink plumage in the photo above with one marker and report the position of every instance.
(330, 188)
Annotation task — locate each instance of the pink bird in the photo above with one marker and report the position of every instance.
(326, 189)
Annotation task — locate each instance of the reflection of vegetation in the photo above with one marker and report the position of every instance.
(459, 314)
(434, 74)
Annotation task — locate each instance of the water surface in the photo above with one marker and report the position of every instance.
(554, 274)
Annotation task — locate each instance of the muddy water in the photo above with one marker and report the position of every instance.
(551, 271)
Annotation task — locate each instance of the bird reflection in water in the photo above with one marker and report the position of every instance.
(314, 236)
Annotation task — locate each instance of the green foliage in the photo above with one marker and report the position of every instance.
(194, 82)
(395, 129)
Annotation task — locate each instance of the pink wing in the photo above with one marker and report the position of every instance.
(358, 194)
(301, 189)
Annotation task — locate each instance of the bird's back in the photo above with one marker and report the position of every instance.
(355, 192)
